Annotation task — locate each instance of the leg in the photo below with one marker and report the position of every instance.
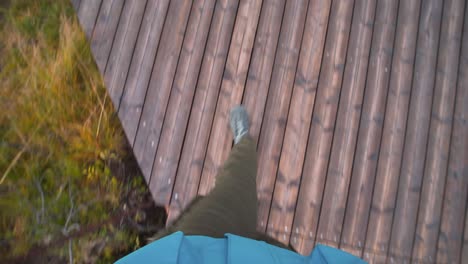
(231, 207)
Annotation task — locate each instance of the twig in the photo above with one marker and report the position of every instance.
(65, 229)
(13, 163)
(62, 186)
(100, 116)
(70, 251)
(38, 185)
(20, 153)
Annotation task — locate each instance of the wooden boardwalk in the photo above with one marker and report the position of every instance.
(359, 108)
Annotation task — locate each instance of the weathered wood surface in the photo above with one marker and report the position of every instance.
(441, 124)
(359, 109)
(300, 117)
(417, 131)
(203, 107)
(141, 62)
(276, 114)
(347, 126)
(370, 132)
(123, 49)
(180, 102)
(391, 149)
(451, 241)
(232, 89)
(104, 31)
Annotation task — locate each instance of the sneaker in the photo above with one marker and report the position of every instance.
(239, 123)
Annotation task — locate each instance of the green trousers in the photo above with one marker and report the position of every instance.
(231, 207)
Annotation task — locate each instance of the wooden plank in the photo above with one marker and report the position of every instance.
(418, 121)
(183, 90)
(157, 95)
(104, 31)
(87, 15)
(464, 253)
(300, 115)
(417, 131)
(276, 111)
(437, 157)
(338, 144)
(76, 5)
(298, 123)
(346, 128)
(323, 120)
(232, 88)
(370, 129)
(388, 168)
(202, 113)
(450, 240)
(122, 49)
(141, 67)
(261, 66)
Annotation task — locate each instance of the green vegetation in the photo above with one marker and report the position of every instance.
(60, 143)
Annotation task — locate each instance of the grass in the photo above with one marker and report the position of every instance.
(61, 144)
